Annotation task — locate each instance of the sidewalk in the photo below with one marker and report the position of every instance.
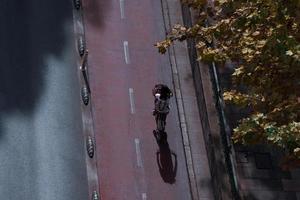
(193, 126)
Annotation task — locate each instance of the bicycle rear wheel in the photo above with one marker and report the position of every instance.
(160, 122)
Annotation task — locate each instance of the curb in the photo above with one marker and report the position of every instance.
(86, 108)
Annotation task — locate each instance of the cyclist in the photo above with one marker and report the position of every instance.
(162, 94)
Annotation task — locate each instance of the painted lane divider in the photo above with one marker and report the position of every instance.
(131, 98)
(126, 52)
(138, 152)
(144, 196)
(122, 3)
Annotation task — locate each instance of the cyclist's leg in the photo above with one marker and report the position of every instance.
(158, 121)
(165, 118)
(161, 124)
(154, 109)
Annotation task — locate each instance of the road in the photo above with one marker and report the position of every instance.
(41, 141)
(123, 68)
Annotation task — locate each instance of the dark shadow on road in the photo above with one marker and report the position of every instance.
(166, 161)
(98, 11)
(31, 30)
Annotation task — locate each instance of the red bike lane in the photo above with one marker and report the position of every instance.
(123, 68)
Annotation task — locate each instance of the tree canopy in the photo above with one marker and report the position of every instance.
(262, 39)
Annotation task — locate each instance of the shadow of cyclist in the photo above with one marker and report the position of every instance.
(167, 163)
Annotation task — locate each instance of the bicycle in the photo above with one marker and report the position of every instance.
(162, 94)
(160, 119)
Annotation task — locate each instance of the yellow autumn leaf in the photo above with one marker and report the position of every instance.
(261, 43)
(289, 53)
(246, 50)
(238, 71)
(227, 96)
(256, 33)
(297, 151)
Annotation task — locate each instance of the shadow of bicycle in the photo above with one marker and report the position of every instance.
(166, 161)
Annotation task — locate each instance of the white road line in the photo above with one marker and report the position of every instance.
(122, 3)
(132, 106)
(126, 52)
(138, 152)
(144, 196)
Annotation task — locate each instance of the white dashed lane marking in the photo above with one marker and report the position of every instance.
(126, 52)
(131, 98)
(138, 152)
(122, 11)
(144, 196)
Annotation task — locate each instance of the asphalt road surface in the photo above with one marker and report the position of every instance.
(41, 142)
(123, 68)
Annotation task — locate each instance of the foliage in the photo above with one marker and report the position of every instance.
(262, 38)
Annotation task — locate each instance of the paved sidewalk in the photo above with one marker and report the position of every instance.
(191, 125)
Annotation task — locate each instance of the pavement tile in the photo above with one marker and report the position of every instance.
(190, 105)
(194, 121)
(291, 185)
(263, 160)
(181, 51)
(253, 173)
(192, 114)
(175, 12)
(190, 101)
(268, 195)
(201, 165)
(189, 91)
(260, 184)
(195, 139)
(181, 47)
(206, 191)
(295, 173)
